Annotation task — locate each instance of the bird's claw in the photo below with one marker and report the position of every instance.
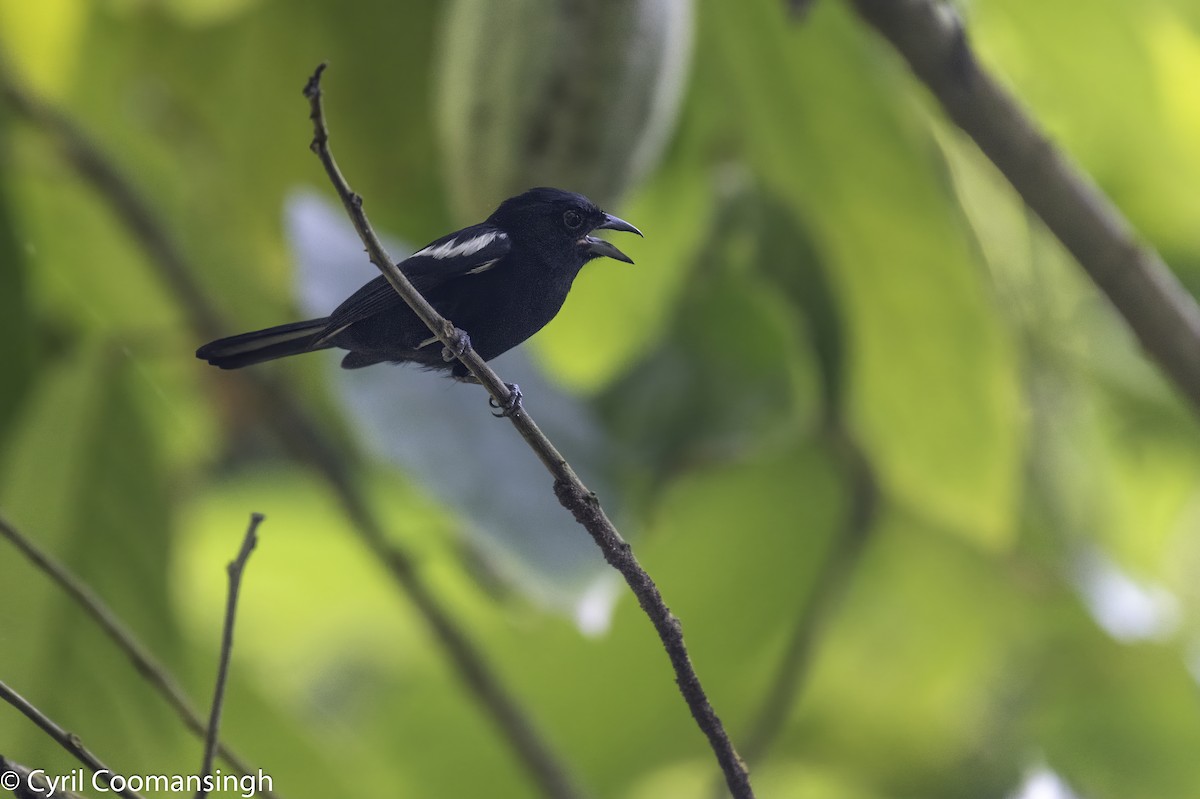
(460, 343)
(512, 406)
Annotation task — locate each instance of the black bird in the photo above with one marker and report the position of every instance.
(500, 281)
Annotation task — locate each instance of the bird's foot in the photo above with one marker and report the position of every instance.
(512, 405)
(460, 342)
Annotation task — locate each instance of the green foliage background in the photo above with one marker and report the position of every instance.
(822, 249)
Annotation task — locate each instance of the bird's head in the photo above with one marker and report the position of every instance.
(560, 220)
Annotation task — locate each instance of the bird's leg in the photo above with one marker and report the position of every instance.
(509, 407)
(460, 342)
(512, 405)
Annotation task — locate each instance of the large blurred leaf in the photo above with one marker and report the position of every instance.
(930, 374)
(1118, 721)
(903, 686)
(81, 479)
(734, 373)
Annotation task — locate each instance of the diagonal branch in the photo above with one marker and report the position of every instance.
(235, 569)
(145, 664)
(67, 740)
(1158, 309)
(301, 434)
(569, 489)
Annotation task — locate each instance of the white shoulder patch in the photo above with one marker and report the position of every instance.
(455, 248)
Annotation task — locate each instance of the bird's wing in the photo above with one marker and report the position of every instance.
(469, 251)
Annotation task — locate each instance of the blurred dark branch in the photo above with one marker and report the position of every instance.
(235, 569)
(799, 9)
(97, 168)
(67, 740)
(1160, 311)
(30, 785)
(299, 433)
(569, 489)
(122, 636)
(826, 591)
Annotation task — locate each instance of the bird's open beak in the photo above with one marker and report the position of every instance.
(615, 223)
(599, 248)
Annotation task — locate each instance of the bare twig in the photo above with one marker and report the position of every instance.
(235, 569)
(67, 740)
(1159, 310)
(302, 436)
(153, 671)
(569, 489)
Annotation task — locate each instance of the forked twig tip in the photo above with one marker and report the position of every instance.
(313, 86)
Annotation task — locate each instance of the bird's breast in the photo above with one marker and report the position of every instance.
(507, 306)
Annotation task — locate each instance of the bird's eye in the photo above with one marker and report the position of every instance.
(572, 219)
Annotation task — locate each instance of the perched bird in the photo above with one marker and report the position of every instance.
(500, 281)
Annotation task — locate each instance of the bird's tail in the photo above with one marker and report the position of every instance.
(257, 346)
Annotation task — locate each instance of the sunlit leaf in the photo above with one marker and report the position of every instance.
(42, 40)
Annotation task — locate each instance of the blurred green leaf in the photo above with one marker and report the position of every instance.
(909, 685)
(1115, 720)
(1129, 63)
(930, 373)
(43, 39)
(734, 373)
(1113, 448)
(83, 445)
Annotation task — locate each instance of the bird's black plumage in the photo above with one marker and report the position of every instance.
(501, 281)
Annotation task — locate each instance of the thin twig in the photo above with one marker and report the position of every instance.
(1159, 310)
(235, 569)
(145, 664)
(569, 489)
(303, 437)
(67, 740)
